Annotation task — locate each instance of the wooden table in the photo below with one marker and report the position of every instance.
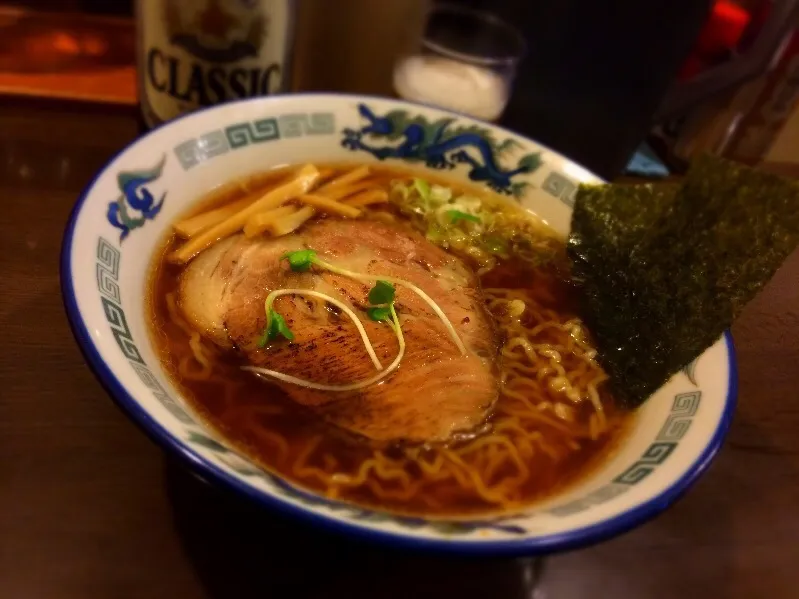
(89, 508)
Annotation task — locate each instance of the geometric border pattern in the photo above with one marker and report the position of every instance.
(600, 495)
(560, 187)
(683, 410)
(108, 271)
(654, 455)
(194, 151)
(108, 259)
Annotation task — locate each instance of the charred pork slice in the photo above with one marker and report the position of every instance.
(436, 391)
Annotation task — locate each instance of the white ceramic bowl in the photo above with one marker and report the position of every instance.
(128, 207)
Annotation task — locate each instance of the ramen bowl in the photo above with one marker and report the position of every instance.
(125, 213)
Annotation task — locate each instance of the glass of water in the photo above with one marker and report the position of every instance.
(465, 61)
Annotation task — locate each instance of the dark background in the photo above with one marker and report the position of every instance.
(595, 72)
(594, 75)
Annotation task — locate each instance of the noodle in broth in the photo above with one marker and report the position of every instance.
(553, 420)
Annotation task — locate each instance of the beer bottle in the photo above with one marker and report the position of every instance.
(195, 53)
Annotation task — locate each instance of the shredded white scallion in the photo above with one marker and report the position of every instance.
(270, 299)
(351, 387)
(368, 278)
(393, 323)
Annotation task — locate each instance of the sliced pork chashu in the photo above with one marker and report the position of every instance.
(436, 390)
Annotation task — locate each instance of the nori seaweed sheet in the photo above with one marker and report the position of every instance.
(663, 270)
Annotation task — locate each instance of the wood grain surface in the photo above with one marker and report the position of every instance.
(90, 508)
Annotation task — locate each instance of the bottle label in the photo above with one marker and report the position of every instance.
(195, 53)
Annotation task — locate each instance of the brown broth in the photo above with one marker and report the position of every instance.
(230, 402)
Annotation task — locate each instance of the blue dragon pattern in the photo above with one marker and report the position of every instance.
(137, 204)
(440, 145)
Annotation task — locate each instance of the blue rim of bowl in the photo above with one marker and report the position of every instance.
(528, 546)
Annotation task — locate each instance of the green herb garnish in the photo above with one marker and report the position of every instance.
(456, 216)
(381, 296)
(300, 260)
(382, 293)
(378, 313)
(663, 270)
(276, 327)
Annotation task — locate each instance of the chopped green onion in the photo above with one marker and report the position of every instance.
(423, 188)
(436, 234)
(378, 313)
(439, 194)
(457, 215)
(495, 245)
(300, 260)
(381, 293)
